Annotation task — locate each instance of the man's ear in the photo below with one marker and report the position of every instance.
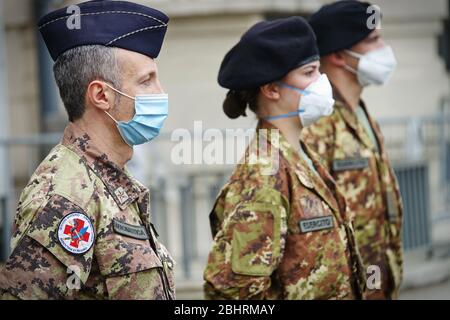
(99, 95)
(271, 91)
(336, 59)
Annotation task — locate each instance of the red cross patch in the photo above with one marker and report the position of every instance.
(76, 233)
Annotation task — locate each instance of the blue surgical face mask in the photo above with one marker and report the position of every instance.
(151, 111)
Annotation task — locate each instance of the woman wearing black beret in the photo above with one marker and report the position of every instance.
(280, 225)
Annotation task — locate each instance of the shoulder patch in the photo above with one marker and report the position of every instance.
(76, 233)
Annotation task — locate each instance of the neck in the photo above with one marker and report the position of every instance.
(290, 128)
(346, 83)
(106, 140)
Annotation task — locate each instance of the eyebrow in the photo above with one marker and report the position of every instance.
(311, 66)
(147, 74)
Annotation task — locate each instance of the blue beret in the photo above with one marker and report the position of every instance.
(267, 52)
(340, 25)
(118, 24)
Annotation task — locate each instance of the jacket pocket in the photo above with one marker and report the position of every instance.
(255, 239)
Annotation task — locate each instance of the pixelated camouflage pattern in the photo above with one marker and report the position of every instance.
(378, 236)
(259, 251)
(77, 177)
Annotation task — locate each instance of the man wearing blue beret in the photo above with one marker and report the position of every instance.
(83, 228)
(354, 56)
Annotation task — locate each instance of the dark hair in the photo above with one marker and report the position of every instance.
(236, 102)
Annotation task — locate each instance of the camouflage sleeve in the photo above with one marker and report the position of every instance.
(39, 268)
(320, 138)
(4, 295)
(395, 257)
(395, 252)
(247, 250)
(132, 270)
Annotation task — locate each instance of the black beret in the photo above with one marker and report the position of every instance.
(118, 24)
(341, 25)
(267, 52)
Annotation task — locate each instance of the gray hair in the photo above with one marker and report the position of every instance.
(78, 67)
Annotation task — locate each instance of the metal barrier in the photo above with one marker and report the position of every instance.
(414, 187)
(8, 199)
(191, 197)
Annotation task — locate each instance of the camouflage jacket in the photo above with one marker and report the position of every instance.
(363, 173)
(280, 231)
(124, 261)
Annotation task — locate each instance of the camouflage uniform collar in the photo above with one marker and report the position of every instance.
(375, 129)
(307, 178)
(329, 181)
(122, 187)
(349, 116)
(291, 155)
(344, 108)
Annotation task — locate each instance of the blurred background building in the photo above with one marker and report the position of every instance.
(414, 112)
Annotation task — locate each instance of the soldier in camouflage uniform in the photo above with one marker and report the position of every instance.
(83, 228)
(350, 142)
(280, 226)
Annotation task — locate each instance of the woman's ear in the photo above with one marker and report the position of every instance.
(99, 95)
(270, 91)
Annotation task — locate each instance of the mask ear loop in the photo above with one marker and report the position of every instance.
(290, 114)
(348, 68)
(112, 117)
(305, 92)
(119, 92)
(287, 115)
(353, 55)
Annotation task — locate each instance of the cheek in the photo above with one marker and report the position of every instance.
(130, 110)
(292, 101)
(309, 80)
(126, 110)
(304, 81)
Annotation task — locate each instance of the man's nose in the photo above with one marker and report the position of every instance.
(159, 88)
